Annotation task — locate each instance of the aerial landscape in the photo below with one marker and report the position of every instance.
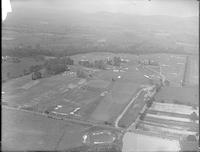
(82, 77)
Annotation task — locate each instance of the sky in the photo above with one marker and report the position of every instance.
(6, 8)
(181, 8)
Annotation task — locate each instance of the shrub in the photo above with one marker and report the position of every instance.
(142, 116)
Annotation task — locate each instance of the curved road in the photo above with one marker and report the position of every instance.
(129, 104)
(135, 97)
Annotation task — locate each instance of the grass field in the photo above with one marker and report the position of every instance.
(27, 131)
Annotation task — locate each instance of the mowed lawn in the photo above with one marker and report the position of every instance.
(28, 131)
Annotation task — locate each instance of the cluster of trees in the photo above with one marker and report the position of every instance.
(22, 50)
(150, 102)
(35, 68)
(10, 59)
(81, 74)
(58, 65)
(32, 69)
(51, 66)
(116, 61)
(99, 64)
(27, 51)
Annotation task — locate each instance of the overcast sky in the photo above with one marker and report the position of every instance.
(182, 8)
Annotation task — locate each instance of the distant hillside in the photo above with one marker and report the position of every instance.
(76, 32)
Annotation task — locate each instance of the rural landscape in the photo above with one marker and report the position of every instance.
(98, 81)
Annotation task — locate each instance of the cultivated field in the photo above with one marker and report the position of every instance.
(169, 120)
(183, 95)
(142, 142)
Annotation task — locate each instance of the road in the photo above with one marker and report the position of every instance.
(71, 120)
(149, 94)
(129, 105)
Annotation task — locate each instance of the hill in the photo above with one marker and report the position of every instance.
(78, 32)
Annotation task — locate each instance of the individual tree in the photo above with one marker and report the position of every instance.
(109, 62)
(35, 68)
(36, 75)
(117, 61)
(69, 61)
(149, 103)
(99, 64)
(142, 116)
(193, 116)
(55, 66)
